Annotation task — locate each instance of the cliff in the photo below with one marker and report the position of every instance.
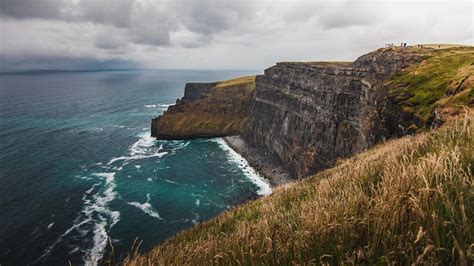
(407, 201)
(207, 110)
(309, 114)
(404, 201)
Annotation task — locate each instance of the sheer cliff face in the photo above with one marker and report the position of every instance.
(309, 114)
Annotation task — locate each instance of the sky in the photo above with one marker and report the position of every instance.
(216, 34)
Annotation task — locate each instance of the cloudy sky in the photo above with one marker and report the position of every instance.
(211, 34)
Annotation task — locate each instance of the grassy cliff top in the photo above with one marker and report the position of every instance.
(247, 81)
(444, 45)
(408, 200)
(444, 79)
(222, 112)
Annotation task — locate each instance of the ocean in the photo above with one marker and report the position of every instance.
(79, 171)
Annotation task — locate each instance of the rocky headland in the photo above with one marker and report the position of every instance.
(381, 200)
(207, 110)
(300, 117)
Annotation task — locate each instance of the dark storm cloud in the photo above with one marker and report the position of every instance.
(218, 33)
(147, 22)
(23, 9)
(114, 12)
(210, 16)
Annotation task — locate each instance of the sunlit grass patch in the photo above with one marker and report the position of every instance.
(443, 79)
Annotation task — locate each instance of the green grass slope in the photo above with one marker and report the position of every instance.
(406, 201)
(444, 80)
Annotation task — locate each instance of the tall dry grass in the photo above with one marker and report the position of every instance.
(407, 201)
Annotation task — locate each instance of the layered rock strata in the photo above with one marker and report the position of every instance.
(306, 115)
(310, 114)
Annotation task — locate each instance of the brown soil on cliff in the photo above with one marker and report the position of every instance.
(407, 201)
(222, 112)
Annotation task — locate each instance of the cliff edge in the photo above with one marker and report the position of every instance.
(309, 114)
(207, 110)
(404, 201)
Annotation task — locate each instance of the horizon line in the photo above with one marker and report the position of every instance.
(39, 71)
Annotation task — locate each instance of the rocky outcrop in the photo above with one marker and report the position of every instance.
(207, 110)
(310, 114)
(196, 91)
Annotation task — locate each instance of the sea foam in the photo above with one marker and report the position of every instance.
(143, 148)
(104, 218)
(95, 213)
(264, 187)
(146, 208)
(159, 106)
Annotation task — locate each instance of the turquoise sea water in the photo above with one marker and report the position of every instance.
(77, 165)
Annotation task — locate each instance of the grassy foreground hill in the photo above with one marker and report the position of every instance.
(405, 201)
(409, 200)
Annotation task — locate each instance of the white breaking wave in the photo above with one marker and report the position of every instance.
(141, 149)
(140, 146)
(99, 205)
(178, 145)
(264, 187)
(76, 224)
(95, 211)
(96, 217)
(165, 106)
(118, 126)
(146, 207)
(171, 182)
(160, 106)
